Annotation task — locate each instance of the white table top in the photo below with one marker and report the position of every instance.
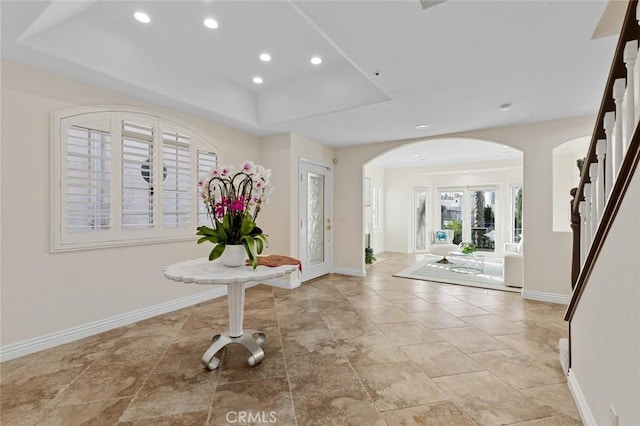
(203, 271)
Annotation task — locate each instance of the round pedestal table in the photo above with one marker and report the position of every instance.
(203, 271)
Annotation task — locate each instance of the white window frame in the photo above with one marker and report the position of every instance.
(112, 117)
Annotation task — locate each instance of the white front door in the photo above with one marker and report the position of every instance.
(315, 220)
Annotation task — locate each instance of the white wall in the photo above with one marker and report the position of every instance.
(547, 264)
(566, 176)
(605, 330)
(43, 292)
(400, 184)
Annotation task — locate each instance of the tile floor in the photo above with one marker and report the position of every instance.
(340, 350)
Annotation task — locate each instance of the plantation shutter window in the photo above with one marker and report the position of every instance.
(206, 162)
(138, 176)
(124, 177)
(177, 186)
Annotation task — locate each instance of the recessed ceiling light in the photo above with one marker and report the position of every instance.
(416, 155)
(142, 17)
(210, 23)
(422, 126)
(316, 60)
(257, 80)
(265, 57)
(505, 107)
(505, 146)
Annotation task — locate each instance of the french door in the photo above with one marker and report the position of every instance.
(315, 220)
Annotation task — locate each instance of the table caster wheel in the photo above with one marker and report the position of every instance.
(212, 364)
(261, 339)
(255, 359)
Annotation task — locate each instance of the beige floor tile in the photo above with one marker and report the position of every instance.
(557, 397)
(461, 309)
(493, 325)
(399, 385)
(234, 367)
(370, 350)
(317, 374)
(470, 339)
(369, 301)
(197, 418)
(440, 359)
(107, 381)
(409, 333)
(441, 414)
(412, 305)
(342, 408)
(520, 370)
(386, 315)
(172, 393)
(552, 421)
(310, 342)
(437, 319)
(297, 322)
(488, 400)
(435, 297)
(97, 413)
(136, 348)
(266, 400)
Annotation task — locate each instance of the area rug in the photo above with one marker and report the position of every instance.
(429, 270)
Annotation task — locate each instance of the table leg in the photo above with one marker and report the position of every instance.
(236, 333)
(235, 296)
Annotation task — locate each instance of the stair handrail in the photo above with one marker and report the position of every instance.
(629, 31)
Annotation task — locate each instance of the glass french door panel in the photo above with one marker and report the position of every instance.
(315, 219)
(516, 209)
(451, 213)
(421, 219)
(483, 219)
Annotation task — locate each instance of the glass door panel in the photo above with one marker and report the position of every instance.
(420, 202)
(451, 203)
(483, 218)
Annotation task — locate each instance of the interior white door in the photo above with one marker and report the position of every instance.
(315, 220)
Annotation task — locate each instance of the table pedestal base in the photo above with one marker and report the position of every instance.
(219, 341)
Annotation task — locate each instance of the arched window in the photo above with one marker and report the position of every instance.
(124, 177)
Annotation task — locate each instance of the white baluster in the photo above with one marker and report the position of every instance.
(630, 54)
(601, 147)
(583, 232)
(618, 96)
(587, 214)
(595, 214)
(609, 120)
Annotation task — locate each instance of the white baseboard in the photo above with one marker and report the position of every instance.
(581, 401)
(350, 271)
(289, 285)
(546, 297)
(36, 344)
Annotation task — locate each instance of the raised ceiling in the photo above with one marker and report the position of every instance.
(387, 65)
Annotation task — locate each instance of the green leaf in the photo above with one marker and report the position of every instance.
(259, 245)
(205, 230)
(250, 244)
(247, 226)
(217, 251)
(213, 239)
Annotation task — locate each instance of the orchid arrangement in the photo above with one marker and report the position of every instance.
(233, 202)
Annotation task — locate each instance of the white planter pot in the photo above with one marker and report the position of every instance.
(234, 255)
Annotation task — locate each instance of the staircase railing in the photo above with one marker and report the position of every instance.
(611, 160)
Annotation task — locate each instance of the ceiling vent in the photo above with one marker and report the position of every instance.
(429, 3)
